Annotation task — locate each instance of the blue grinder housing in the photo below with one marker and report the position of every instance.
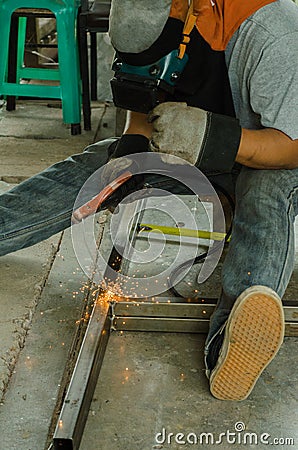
(141, 88)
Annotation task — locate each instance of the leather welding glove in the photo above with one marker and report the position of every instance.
(207, 140)
(119, 162)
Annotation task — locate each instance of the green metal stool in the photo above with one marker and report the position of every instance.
(68, 72)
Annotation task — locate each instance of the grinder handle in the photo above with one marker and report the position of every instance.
(92, 205)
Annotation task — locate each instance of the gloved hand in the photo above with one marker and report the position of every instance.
(128, 144)
(116, 165)
(207, 140)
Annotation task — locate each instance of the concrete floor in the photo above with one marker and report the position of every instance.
(150, 383)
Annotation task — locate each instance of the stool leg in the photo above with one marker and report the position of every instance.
(83, 51)
(69, 69)
(5, 32)
(22, 28)
(93, 60)
(12, 59)
(16, 55)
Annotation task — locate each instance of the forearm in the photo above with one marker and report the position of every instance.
(137, 123)
(267, 149)
(260, 149)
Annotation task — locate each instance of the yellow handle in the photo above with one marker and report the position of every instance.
(188, 27)
(149, 227)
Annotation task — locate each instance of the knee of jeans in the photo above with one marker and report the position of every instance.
(267, 186)
(101, 146)
(94, 156)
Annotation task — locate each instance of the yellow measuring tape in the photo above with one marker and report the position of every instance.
(175, 231)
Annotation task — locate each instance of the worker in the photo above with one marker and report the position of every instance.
(233, 111)
(259, 42)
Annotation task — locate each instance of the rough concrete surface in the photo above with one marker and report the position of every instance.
(152, 382)
(30, 400)
(33, 137)
(22, 278)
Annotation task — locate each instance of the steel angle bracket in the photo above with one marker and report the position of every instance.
(75, 409)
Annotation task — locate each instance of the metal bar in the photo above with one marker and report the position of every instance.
(84, 67)
(39, 74)
(32, 90)
(170, 314)
(161, 324)
(74, 412)
(176, 325)
(38, 45)
(291, 313)
(291, 329)
(93, 65)
(168, 299)
(73, 416)
(12, 60)
(168, 310)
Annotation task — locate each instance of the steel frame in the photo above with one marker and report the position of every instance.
(157, 314)
(163, 314)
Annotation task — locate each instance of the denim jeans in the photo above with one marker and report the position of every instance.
(42, 205)
(261, 251)
(262, 247)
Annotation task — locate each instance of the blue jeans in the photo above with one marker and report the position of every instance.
(261, 250)
(262, 247)
(42, 205)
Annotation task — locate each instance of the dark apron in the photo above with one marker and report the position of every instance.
(204, 82)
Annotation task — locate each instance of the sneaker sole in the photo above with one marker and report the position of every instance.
(253, 335)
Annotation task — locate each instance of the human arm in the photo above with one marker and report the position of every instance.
(268, 80)
(137, 123)
(212, 142)
(267, 149)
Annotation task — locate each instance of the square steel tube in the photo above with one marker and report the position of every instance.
(173, 314)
